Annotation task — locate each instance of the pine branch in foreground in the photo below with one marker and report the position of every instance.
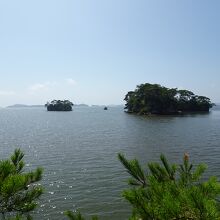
(19, 190)
(172, 191)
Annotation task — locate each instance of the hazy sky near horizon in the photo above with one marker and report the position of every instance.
(94, 51)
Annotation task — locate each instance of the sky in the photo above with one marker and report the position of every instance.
(95, 51)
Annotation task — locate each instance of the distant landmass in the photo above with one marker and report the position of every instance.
(34, 106)
(111, 105)
(216, 106)
(81, 105)
(24, 106)
(75, 105)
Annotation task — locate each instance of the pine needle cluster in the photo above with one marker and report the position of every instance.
(170, 191)
(19, 190)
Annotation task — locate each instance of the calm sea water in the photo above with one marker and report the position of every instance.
(78, 151)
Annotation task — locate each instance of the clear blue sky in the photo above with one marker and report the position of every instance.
(94, 51)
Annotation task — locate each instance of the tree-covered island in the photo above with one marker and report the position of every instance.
(156, 99)
(59, 105)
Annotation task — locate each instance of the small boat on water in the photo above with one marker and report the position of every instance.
(105, 108)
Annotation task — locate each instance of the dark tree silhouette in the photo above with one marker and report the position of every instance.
(156, 99)
(59, 105)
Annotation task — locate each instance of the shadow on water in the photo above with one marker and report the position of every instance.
(169, 117)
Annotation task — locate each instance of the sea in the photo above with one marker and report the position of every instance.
(78, 152)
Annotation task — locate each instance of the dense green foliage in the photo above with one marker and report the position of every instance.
(156, 99)
(170, 191)
(59, 105)
(18, 189)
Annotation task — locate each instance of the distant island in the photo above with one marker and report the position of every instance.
(59, 105)
(156, 99)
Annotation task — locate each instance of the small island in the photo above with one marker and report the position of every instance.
(156, 99)
(59, 105)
